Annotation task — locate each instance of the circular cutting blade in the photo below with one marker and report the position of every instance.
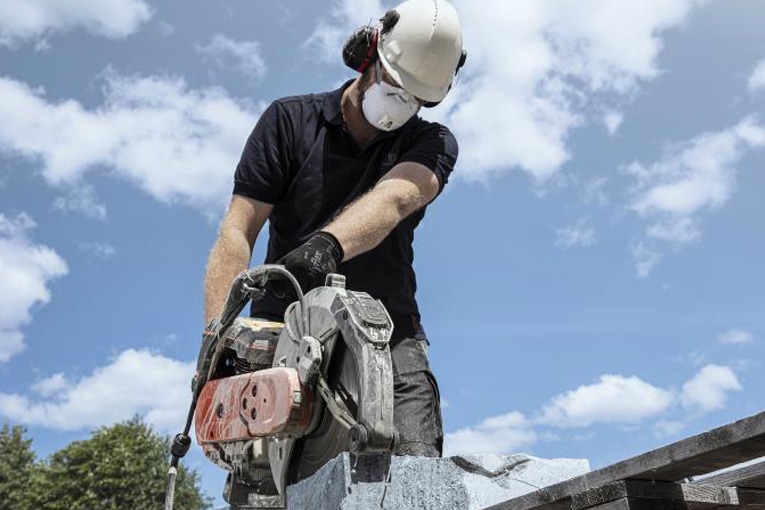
(330, 437)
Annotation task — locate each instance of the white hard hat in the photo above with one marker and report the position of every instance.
(423, 49)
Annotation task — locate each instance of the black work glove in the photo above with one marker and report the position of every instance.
(311, 262)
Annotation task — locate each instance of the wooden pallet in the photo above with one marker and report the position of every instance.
(669, 478)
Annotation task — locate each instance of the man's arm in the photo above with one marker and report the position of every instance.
(232, 251)
(363, 225)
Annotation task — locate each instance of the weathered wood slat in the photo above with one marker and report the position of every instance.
(752, 498)
(642, 504)
(600, 495)
(619, 504)
(695, 496)
(748, 476)
(749, 499)
(718, 448)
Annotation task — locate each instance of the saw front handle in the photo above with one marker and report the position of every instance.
(249, 285)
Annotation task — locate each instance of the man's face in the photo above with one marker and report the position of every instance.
(385, 104)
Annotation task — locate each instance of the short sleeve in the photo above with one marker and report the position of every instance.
(262, 172)
(436, 148)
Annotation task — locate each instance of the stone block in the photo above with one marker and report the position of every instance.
(466, 482)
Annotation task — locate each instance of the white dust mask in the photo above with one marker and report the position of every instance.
(387, 107)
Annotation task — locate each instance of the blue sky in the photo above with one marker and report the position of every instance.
(591, 279)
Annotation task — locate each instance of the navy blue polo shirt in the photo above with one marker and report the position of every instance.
(300, 158)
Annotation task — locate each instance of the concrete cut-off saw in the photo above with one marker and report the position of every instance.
(273, 402)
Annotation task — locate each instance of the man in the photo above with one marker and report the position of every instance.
(344, 178)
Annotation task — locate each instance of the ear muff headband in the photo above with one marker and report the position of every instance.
(360, 50)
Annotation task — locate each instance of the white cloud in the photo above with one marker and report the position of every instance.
(699, 174)
(11, 343)
(100, 250)
(81, 199)
(736, 337)
(695, 177)
(757, 78)
(646, 258)
(345, 16)
(613, 399)
(50, 386)
(708, 389)
(579, 234)
(26, 270)
(680, 230)
(594, 192)
(42, 46)
(667, 428)
(613, 121)
(174, 143)
(505, 433)
(28, 20)
(242, 55)
(135, 382)
(165, 28)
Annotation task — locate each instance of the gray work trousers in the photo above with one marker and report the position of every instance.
(416, 400)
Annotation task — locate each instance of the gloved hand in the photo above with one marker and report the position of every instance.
(312, 261)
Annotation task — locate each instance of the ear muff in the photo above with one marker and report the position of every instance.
(461, 63)
(360, 50)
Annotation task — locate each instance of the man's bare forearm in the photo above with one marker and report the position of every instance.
(233, 250)
(229, 257)
(367, 221)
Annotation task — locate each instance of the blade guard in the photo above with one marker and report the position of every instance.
(269, 402)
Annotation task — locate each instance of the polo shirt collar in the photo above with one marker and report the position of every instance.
(331, 105)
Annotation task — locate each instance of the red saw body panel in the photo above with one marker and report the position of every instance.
(269, 402)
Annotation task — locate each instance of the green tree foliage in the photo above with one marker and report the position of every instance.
(121, 467)
(17, 468)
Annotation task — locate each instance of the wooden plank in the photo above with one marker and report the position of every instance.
(599, 495)
(619, 504)
(718, 448)
(696, 496)
(707, 496)
(752, 498)
(752, 476)
(749, 499)
(642, 504)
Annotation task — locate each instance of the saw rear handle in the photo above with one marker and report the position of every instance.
(248, 285)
